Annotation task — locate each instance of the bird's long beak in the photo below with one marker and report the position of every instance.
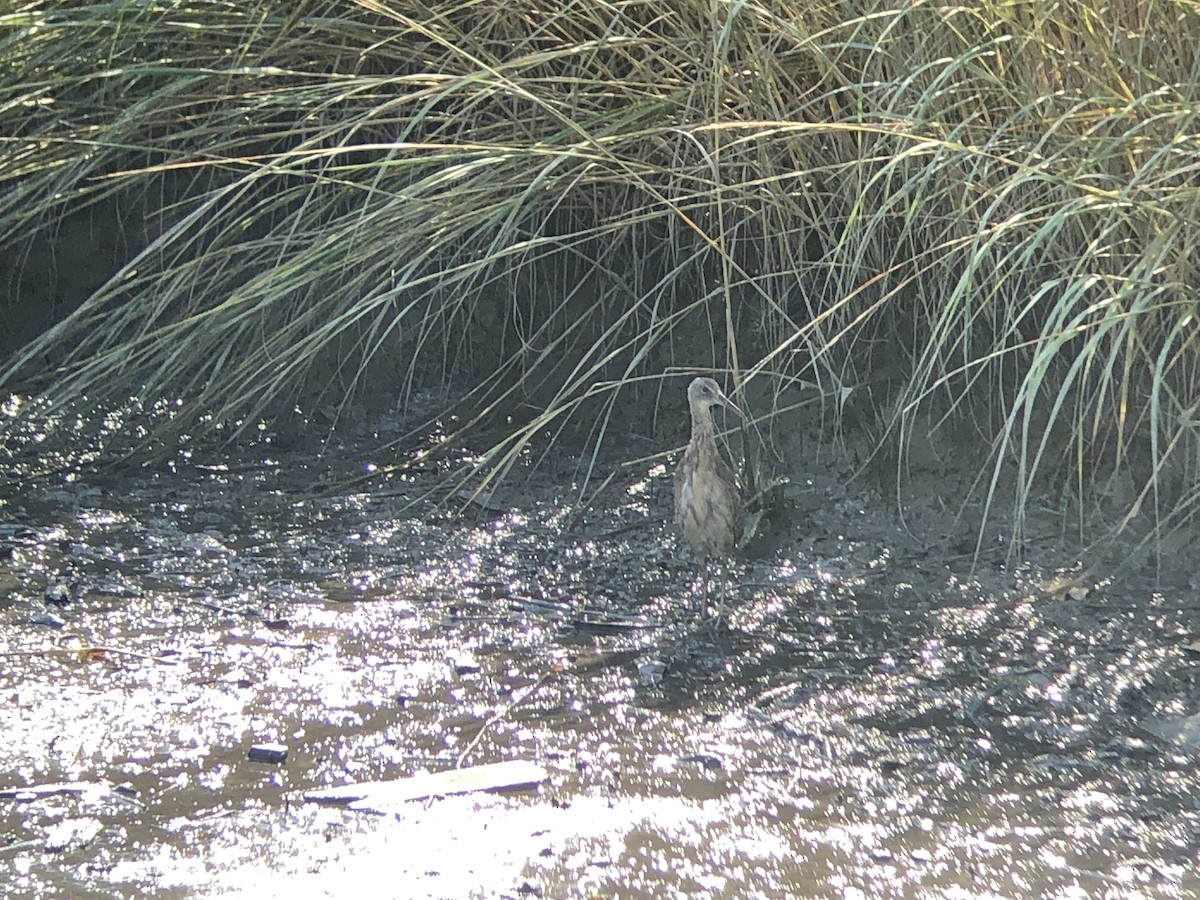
(729, 404)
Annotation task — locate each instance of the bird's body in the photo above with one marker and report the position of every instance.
(708, 504)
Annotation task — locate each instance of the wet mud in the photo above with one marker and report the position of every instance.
(873, 716)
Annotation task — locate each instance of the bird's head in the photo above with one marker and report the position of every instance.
(704, 393)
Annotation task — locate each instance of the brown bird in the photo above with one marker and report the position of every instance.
(708, 504)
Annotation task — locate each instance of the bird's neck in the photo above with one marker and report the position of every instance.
(702, 424)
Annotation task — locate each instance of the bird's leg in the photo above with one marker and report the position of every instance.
(723, 574)
(706, 570)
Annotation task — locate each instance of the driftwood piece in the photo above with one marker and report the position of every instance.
(388, 796)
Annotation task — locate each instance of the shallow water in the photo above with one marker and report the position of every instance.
(868, 720)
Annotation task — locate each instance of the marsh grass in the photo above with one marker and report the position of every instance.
(982, 215)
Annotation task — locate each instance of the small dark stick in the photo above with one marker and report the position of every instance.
(708, 504)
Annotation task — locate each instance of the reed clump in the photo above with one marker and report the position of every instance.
(984, 214)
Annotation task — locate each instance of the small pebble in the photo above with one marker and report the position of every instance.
(705, 760)
(50, 620)
(72, 834)
(651, 671)
(464, 662)
(1135, 746)
(58, 594)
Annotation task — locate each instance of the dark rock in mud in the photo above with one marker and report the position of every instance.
(267, 753)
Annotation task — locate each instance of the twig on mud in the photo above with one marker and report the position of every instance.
(501, 714)
(585, 626)
(87, 651)
(21, 845)
(217, 607)
(622, 529)
(100, 787)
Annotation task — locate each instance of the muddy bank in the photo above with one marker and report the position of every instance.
(875, 717)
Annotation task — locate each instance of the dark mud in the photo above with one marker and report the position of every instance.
(875, 717)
